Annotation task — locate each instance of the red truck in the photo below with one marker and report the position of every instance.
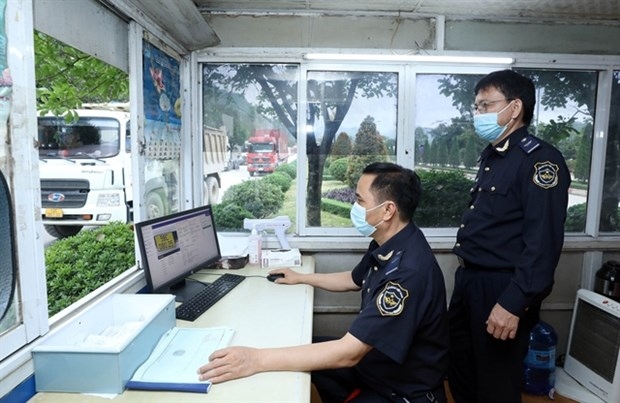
(266, 149)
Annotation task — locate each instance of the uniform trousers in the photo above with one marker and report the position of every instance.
(484, 369)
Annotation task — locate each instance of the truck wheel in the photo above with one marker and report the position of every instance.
(62, 231)
(154, 205)
(211, 191)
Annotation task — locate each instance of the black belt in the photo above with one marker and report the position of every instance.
(472, 266)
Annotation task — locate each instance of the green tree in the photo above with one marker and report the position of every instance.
(66, 78)
(421, 145)
(342, 146)
(433, 148)
(368, 147)
(453, 154)
(470, 154)
(442, 151)
(582, 162)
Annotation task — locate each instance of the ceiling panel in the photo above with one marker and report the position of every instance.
(595, 11)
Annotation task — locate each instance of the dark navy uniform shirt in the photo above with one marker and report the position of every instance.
(403, 316)
(516, 216)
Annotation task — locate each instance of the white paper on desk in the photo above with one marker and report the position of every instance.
(180, 352)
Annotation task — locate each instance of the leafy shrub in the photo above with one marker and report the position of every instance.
(280, 179)
(338, 169)
(259, 197)
(77, 265)
(346, 195)
(290, 169)
(336, 207)
(445, 196)
(229, 216)
(575, 218)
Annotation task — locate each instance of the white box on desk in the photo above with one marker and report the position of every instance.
(86, 356)
(280, 258)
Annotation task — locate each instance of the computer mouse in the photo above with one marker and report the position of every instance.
(274, 276)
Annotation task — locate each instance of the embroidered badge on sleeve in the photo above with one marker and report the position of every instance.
(391, 300)
(545, 174)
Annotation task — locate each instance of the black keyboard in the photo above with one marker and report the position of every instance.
(208, 296)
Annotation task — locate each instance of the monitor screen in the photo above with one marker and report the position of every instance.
(176, 246)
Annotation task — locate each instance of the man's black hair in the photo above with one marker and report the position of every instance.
(395, 183)
(514, 86)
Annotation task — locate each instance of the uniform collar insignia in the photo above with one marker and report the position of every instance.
(504, 147)
(386, 257)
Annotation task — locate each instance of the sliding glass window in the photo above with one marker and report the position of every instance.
(447, 147)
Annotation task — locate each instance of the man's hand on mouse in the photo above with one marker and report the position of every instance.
(290, 276)
(230, 363)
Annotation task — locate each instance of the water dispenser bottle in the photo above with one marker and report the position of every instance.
(539, 364)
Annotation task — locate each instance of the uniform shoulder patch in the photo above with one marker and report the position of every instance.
(545, 174)
(391, 300)
(529, 144)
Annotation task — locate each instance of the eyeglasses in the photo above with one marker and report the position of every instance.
(483, 106)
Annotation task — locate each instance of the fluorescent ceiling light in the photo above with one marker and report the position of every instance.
(409, 58)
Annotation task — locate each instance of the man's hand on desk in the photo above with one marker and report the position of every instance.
(230, 363)
(290, 276)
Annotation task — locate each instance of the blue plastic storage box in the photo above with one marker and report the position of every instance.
(100, 349)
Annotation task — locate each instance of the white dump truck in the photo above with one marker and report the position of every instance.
(85, 169)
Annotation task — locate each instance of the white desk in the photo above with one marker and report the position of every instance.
(263, 314)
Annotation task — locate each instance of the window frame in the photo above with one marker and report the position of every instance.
(407, 77)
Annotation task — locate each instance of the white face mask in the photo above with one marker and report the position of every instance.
(358, 217)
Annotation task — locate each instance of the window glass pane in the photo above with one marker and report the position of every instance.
(610, 208)
(88, 137)
(564, 117)
(351, 121)
(251, 111)
(447, 147)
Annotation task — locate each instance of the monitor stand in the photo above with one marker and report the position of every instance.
(185, 289)
(566, 386)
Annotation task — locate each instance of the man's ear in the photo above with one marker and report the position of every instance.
(517, 108)
(390, 211)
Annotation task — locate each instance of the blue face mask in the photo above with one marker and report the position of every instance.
(486, 125)
(358, 217)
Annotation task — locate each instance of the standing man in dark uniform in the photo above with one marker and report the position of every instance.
(508, 244)
(396, 350)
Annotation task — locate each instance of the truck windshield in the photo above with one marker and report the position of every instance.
(261, 148)
(88, 137)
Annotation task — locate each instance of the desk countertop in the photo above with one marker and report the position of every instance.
(263, 314)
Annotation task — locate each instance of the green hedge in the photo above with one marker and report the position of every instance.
(336, 207)
(78, 265)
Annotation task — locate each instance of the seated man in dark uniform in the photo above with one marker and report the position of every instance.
(396, 350)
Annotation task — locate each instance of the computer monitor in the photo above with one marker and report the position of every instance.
(175, 246)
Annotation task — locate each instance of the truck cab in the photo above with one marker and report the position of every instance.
(85, 169)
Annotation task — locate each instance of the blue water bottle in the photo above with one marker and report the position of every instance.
(539, 363)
